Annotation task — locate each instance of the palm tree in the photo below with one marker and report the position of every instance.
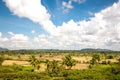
(53, 66)
(68, 61)
(48, 64)
(33, 61)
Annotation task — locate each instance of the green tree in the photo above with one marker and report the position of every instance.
(53, 67)
(1, 60)
(95, 59)
(33, 61)
(48, 65)
(68, 61)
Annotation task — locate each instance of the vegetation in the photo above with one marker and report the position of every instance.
(59, 65)
(1, 60)
(68, 61)
(34, 62)
(95, 60)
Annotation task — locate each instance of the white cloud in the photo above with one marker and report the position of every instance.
(11, 33)
(26, 8)
(33, 31)
(33, 10)
(19, 37)
(79, 1)
(101, 31)
(2, 39)
(15, 41)
(66, 6)
(18, 41)
(90, 13)
(43, 42)
(0, 34)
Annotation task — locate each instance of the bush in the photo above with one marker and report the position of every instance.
(117, 77)
(104, 62)
(110, 57)
(1, 60)
(84, 75)
(21, 76)
(29, 68)
(109, 62)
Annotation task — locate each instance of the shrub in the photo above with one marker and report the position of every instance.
(109, 57)
(1, 60)
(21, 76)
(104, 62)
(109, 62)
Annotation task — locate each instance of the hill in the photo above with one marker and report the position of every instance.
(3, 49)
(92, 49)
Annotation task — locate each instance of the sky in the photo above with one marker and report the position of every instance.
(60, 24)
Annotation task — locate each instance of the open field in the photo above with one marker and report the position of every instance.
(83, 61)
(15, 62)
(56, 65)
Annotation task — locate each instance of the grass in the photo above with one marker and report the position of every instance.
(82, 61)
(28, 68)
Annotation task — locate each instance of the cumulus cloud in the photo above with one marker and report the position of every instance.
(66, 6)
(18, 37)
(101, 31)
(26, 8)
(33, 10)
(15, 41)
(18, 41)
(2, 39)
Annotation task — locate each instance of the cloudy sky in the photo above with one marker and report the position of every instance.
(60, 24)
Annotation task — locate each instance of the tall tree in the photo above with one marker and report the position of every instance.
(33, 61)
(68, 61)
(52, 66)
(48, 65)
(95, 59)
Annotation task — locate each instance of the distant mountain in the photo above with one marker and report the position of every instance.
(92, 49)
(3, 49)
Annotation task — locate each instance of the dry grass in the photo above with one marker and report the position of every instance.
(51, 57)
(42, 67)
(87, 58)
(12, 62)
(48, 57)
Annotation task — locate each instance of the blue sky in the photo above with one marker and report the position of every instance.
(10, 22)
(59, 14)
(79, 12)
